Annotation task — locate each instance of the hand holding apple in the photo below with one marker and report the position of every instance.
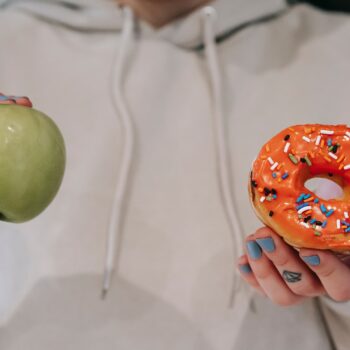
(32, 160)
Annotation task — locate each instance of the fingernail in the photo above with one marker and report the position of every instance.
(267, 244)
(254, 250)
(313, 260)
(245, 268)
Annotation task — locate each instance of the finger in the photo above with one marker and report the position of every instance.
(22, 100)
(332, 272)
(299, 278)
(268, 277)
(248, 275)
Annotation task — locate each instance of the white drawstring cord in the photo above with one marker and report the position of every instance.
(225, 178)
(126, 159)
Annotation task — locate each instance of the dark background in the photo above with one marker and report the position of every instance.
(330, 5)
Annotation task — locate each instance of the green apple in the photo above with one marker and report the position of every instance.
(32, 162)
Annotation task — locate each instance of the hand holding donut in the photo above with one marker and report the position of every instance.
(287, 276)
(296, 215)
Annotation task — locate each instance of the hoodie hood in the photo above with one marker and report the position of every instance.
(105, 15)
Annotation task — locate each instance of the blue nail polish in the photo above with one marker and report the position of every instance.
(254, 250)
(245, 268)
(267, 244)
(313, 260)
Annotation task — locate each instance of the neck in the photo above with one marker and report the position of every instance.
(161, 12)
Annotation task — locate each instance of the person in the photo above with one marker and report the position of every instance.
(163, 105)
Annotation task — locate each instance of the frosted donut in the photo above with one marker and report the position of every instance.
(282, 201)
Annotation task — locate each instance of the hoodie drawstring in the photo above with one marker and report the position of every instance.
(114, 228)
(222, 154)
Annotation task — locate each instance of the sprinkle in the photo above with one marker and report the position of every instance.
(347, 134)
(302, 205)
(312, 221)
(346, 215)
(266, 191)
(274, 166)
(316, 200)
(318, 139)
(318, 233)
(304, 224)
(286, 147)
(307, 130)
(309, 199)
(322, 143)
(300, 198)
(323, 208)
(327, 159)
(291, 129)
(286, 138)
(329, 142)
(308, 195)
(307, 219)
(306, 139)
(285, 175)
(274, 196)
(346, 167)
(274, 175)
(344, 227)
(270, 160)
(334, 148)
(302, 210)
(263, 157)
(341, 166)
(347, 230)
(260, 189)
(332, 155)
(267, 147)
(327, 132)
(308, 212)
(324, 224)
(338, 224)
(345, 223)
(308, 161)
(329, 213)
(262, 199)
(293, 158)
(341, 158)
(270, 213)
(279, 166)
(279, 180)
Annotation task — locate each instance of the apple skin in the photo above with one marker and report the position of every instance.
(32, 162)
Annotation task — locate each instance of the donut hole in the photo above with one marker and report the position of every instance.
(324, 188)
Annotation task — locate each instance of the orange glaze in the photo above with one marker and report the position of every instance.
(277, 183)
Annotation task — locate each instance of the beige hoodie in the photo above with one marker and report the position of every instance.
(174, 263)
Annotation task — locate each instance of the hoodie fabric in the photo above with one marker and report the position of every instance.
(172, 285)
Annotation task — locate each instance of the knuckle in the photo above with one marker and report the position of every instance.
(341, 295)
(307, 288)
(262, 274)
(326, 272)
(280, 260)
